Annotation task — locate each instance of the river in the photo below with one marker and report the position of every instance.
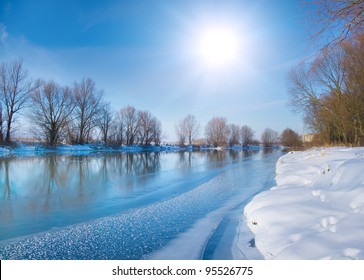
(175, 205)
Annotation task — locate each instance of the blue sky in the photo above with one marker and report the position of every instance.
(143, 53)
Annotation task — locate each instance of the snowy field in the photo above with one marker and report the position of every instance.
(316, 211)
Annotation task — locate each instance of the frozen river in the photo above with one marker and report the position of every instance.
(128, 205)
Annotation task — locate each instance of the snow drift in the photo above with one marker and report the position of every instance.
(316, 211)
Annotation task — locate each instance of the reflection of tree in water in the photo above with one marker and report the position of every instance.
(269, 150)
(249, 153)
(217, 158)
(139, 167)
(234, 154)
(97, 173)
(184, 160)
(221, 158)
(151, 163)
(62, 182)
(46, 177)
(49, 181)
(4, 171)
(6, 209)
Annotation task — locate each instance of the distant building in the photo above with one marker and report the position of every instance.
(308, 138)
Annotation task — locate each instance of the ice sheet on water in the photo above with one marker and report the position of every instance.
(128, 236)
(139, 232)
(190, 245)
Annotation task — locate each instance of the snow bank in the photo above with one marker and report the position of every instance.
(4, 151)
(316, 211)
(86, 149)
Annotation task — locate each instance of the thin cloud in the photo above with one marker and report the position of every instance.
(3, 34)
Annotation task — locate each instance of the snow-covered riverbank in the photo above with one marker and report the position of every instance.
(21, 150)
(316, 211)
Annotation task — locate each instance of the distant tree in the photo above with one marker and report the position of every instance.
(247, 135)
(216, 131)
(289, 138)
(187, 130)
(104, 122)
(119, 128)
(130, 123)
(233, 134)
(269, 137)
(156, 131)
(137, 127)
(255, 142)
(1, 124)
(87, 108)
(15, 90)
(50, 111)
(148, 128)
(181, 133)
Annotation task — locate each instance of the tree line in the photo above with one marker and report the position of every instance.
(329, 89)
(78, 114)
(218, 132)
(64, 114)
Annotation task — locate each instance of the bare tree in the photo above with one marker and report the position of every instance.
(104, 122)
(187, 129)
(138, 127)
(329, 91)
(340, 17)
(181, 133)
(216, 131)
(1, 124)
(51, 109)
(146, 123)
(301, 88)
(305, 97)
(290, 138)
(354, 65)
(233, 134)
(119, 128)
(129, 119)
(156, 131)
(247, 135)
(87, 107)
(15, 90)
(269, 137)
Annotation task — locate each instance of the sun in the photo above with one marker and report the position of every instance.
(218, 46)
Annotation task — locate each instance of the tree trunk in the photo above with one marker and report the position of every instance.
(8, 129)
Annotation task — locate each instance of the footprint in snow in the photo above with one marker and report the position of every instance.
(328, 223)
(351, 253)
(317, 193)
(354, 207)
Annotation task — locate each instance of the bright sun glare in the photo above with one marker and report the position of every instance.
(218, 46)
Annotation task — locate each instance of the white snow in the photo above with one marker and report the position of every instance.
(316, 211)
(4, 151)
(86, 149)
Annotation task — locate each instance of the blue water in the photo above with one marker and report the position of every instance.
(121, 206)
